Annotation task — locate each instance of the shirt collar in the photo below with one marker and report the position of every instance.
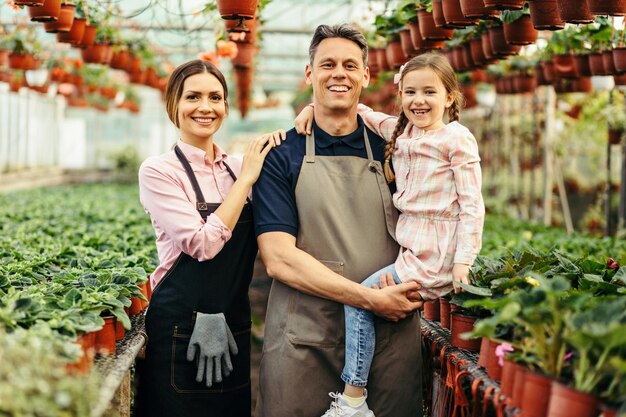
(198, 156)
(354, 140)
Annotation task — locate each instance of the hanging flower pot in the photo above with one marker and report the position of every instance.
(488, 51)
(499, 43)
(535, 395)
(459, 324)
(564, 66)
(372, 61)
(96, 54)
(420, 43)
(241, 31)
(619, 59)
(525, 83)
(431, 310)
(478, 54)
(615, 136)
(476, 9)
(120, 60)
(89, 37)
(620, 79)
(520, 31)
(428, 30)
(48, 12)
(64, 21)
(381, 58)
(454, 15)
(34, 3)
(75, 34)
(607, 7)
(574, 11)
(545, 15)
(609, 65)
(504, 4)
(581, 62)
(467, 56)
(568, 402)
(596, 63)
(407, 45)
(237, 9)
(469, 93)
(245, 55)
(395, 55)
(440, 18)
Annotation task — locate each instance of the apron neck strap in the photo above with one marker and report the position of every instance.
(310, 147)
(200, 204)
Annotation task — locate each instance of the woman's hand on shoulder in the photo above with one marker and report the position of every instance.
(255, 155)
(304, 120)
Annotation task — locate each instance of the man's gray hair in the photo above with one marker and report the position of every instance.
(344, 31)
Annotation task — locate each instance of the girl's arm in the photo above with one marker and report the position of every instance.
(465, 165)
(381, 123)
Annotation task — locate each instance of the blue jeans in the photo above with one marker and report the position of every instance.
(361, 336)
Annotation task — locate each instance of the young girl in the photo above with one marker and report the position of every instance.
(438, 179)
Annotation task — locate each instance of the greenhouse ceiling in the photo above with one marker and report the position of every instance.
(179, 31)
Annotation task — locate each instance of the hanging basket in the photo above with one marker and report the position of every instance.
(574, 11)
(440, 18)
(596, 64)
(395, 55)
(619, 59)
(607, 7)
(545, 15)
(582, 65)
(565, 66)
(476, 9)
(609, 65)
(64, 21)
(407, 45)
(478, 54)
(429, 31)
(48, 12)
(237, 9)
(75, 34)
(499, 44)
(454, 14)
(520, 31)
(419, 42)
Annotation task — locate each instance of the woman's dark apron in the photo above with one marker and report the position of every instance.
(347, 222)
(167, 385)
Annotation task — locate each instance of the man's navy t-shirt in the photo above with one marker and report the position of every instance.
(273, 195)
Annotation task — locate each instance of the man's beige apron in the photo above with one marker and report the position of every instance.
(347, 222)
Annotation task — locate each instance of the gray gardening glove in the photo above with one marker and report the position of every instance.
(214, 343)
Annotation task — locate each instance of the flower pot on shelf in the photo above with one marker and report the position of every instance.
(47, 12)
(545, 15)
(444, 312)
(535, 395)
(508, 378)
(237, 9)
(574, 11)
(494, 370)
(64, 21)
(459, 324)
(568, 402)
(607, 7)
(381, 57)
(619, 59)
(120, 332)
(87, 342)
(620, 79)
(518, 385)
(105, 337)
(431, 310)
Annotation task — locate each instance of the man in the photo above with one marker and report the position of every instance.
(324, 222)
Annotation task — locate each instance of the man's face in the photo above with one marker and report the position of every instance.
(337, 74)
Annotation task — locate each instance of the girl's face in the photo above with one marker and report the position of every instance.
(424, 98)
(201, 108)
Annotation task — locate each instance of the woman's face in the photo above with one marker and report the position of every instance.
(201, 108)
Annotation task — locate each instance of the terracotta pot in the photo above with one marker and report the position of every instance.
(619, 59)
(89, 36)
(494, 370)
(596, 64)
(431, 310)
(440, 18)
(615, 136)
(382, 60)
(35, 3)
(539, 76)
(568, 402)
(454, 15)
(545, 16)
(146, 285)
(137, 305)
(152, 80)
(105, 337)
(536, 395)
(457, 60)
(504, 4)
(4, 58)
(608, 411)
(518, 385)
(120, 60)
(444, 312)
(620, 79)
(75, 34)
(395, 55)
(108, 92)
(48, 12)
(478, 54)
(372, 60)
(488, 51)
(428, 30)
(479, 75)
(609, 65)
(565, 66)
(98, 53)
(581, 62)
(574, 11)
(483, 353)
(245, 55)
(242, 31)
(420, 43)
(237, 9)
(610, 7)
(466, 52)
(476, 9)
(87, 344)
(459, 324)
(520, 32)
(20, 61)
(508, 378)
(64, 21)
(499, 44)
(119, 330)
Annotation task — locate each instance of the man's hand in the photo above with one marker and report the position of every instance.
(395, 301)
(460, 273)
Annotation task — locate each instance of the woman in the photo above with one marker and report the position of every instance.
(198, 323)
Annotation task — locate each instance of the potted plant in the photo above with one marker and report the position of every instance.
(574, 11)
(616, 120)
(545, 16)
(518, 28)
(23, 47)
(428, 28)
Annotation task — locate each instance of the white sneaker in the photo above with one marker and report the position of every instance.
(340, 407)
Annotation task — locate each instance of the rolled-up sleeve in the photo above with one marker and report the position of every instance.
(165, 200)
(465, 164)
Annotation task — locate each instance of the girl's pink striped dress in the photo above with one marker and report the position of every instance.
(438, 181)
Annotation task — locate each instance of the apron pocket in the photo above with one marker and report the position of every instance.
(183, 372)
(315, 321)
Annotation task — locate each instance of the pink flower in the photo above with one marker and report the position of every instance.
(611, 264)
(501, 351)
